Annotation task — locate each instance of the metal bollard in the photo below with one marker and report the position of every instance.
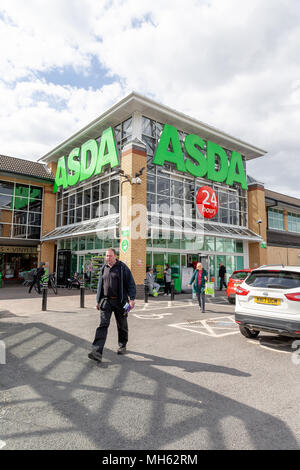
(45, 295)
(82, 290)
(146, 290)
(172, 289)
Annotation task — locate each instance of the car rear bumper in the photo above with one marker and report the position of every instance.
(270, 325)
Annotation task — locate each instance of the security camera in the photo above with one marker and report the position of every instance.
(138, 180)
(259, 221)
(140, 172)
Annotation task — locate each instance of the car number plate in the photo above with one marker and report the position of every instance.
(266, 301)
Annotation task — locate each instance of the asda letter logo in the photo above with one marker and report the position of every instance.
(169, 150)
(78, 168)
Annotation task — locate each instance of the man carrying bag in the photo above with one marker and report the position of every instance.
(116, 293)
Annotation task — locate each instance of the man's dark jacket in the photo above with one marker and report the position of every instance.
(222, 271)
(127, 288)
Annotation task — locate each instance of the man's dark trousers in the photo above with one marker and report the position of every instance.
(107, 306)
(222, 282)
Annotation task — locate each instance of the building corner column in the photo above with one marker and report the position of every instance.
(257, 211)
(133, 211)
(47, 249)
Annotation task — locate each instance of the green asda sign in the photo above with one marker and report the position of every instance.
(169, 150)
(77, 167)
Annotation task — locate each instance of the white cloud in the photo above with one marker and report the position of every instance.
(233, 64)
(30, 127)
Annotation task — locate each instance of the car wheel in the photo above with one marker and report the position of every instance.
(231, 300)
(248, 333)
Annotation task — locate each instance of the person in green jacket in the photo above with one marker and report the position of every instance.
(199, 279)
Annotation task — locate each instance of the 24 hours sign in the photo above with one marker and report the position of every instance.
(207, 202)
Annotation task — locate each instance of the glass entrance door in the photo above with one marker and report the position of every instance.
(192, 260)
(63, 267)
(211, 268)
(204, 260)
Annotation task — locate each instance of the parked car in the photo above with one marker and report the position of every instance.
(269, 300)
(236, 278)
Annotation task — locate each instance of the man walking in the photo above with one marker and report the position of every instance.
(222, 275)
(116, 287)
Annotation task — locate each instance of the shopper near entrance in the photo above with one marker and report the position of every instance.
(116, 288)
(37, 278)
(199, 279)
(222, 276)
(167, 279)
(153, 286)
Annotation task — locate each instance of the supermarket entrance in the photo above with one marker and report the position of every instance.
(14, 265)
(208, 262)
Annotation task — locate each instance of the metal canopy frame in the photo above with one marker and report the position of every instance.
(100, 225)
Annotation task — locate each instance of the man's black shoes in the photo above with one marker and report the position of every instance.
(96, 356)
(121, 350)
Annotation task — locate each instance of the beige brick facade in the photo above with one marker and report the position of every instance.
(283, 255)
(133, 211)
(47, 249)
(257, 211)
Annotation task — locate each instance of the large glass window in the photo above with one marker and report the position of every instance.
(174, 262)
(275, 219)
(82, 202)
(294, 222)
(166, 182)
(123, 133)
(20, 210)
(89, 202)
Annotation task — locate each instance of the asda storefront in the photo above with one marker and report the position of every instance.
(176, 185)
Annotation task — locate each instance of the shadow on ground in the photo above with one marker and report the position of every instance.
(54, 397)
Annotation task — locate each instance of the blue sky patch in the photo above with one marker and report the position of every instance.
(93, 77)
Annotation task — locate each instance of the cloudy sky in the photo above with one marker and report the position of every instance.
(230, 63)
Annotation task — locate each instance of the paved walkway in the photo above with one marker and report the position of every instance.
(21, 303)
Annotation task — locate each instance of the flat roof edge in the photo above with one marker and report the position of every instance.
(143, 100)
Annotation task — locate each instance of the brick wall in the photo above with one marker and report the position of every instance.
(134, 212)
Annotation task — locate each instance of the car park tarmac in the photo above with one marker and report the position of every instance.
(190, 380)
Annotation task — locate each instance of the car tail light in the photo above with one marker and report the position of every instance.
(242, 291)
(295, 296)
